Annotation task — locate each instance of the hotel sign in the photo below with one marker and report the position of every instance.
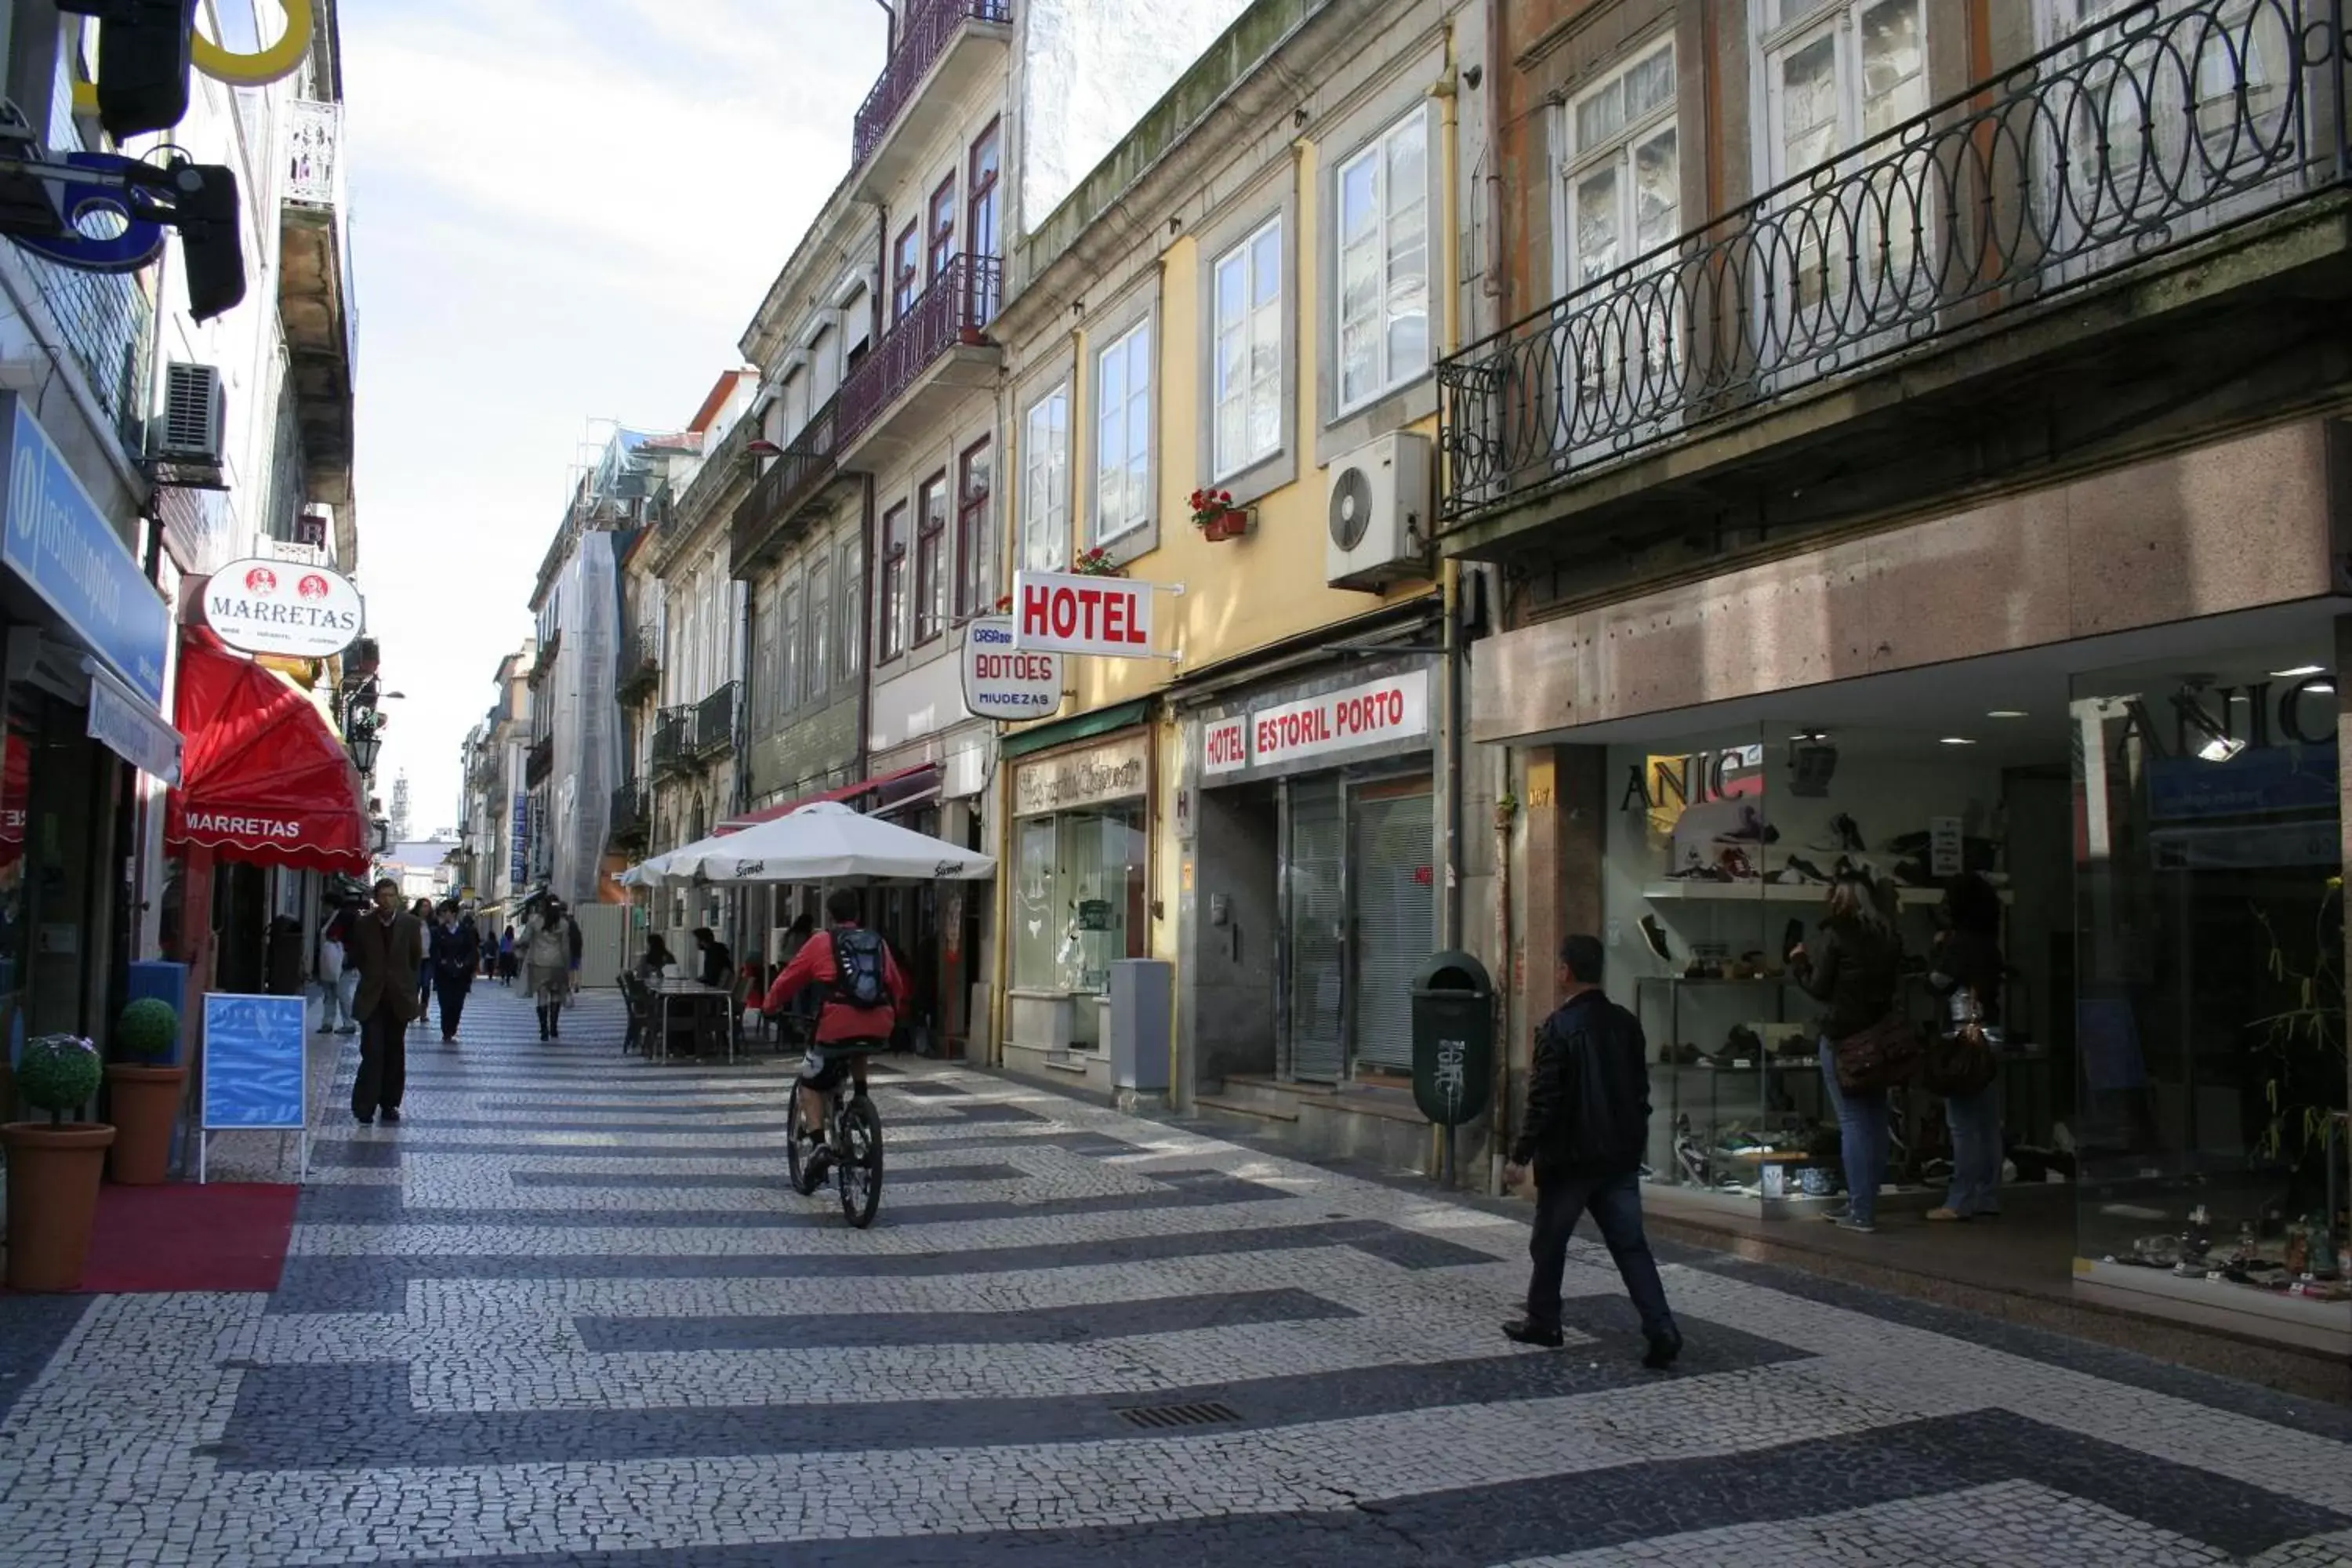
(1372, 714)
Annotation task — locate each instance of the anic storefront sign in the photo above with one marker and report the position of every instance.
(1377, 713)
(1075, 779)
(284, 608)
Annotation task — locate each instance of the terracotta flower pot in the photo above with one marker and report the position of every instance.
(53, 1173)
(146, 1107)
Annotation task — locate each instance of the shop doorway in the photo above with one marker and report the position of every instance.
(1358, 916)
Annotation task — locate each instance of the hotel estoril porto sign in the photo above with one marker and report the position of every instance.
(1062, 612)
(283, 608)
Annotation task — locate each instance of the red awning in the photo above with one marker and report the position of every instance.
(262, 777)
(847, 792)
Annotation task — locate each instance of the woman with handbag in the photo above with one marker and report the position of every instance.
(1967, 974)
(1855, 967)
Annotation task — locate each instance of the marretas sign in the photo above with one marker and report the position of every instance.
(283, 608)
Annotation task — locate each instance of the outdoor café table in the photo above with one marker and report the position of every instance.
(697, 1001)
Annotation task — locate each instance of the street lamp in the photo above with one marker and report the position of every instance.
(364, 747)
(760, 446)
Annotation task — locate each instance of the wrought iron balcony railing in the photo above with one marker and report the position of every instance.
(714, 722)
(2163, 125)
(790, 482)
(930, 26)
(672, 737)
(641, 648)
(632, 813)
(953, 310)
(314, 165)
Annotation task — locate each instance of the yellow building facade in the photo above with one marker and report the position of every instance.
(1249, 297)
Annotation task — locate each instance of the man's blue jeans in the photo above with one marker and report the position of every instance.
(1616, 1204)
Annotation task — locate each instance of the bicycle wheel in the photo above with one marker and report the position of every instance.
(860, 1173)
(799, 1159)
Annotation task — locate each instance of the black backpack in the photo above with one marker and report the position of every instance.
(859, 973)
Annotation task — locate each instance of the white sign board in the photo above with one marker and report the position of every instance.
(1061, 611)
(283, 608)
(1393, 709)
(1002, 682)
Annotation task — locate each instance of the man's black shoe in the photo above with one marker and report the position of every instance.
(364, 1120)
(1655, 935)
(1662, 1351)
(390, 1114)
(1528, 1332)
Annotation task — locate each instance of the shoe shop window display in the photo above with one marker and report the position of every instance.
(2210, 981)
(1727, 858)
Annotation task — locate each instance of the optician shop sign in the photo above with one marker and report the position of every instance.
(1061, 611)
(283, 608)
(1393, 709)
(1002, 682)
(66, 551)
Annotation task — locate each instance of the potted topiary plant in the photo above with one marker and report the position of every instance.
(53, 1165)
(143, 1090)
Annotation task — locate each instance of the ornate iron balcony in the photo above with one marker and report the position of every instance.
(714, 722)
(959, 302)
(641, 648)
(791, 483)
(923, 35)
(672, 735)
(2160, 126)
(632, 813)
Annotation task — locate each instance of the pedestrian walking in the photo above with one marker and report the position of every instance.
(507, 956)
(423, 910)
(385, 947)
(549, 943)
(456, 952)
(336, 979)
(1586, 1129)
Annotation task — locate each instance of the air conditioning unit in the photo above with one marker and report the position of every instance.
(1378, 513)
(195, 416)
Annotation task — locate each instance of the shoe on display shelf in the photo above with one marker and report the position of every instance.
(1699, 872)
(1844, 835)
(1655, 935)
(1752, 829)
(1736, 865)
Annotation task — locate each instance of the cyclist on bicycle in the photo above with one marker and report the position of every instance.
(864, 989)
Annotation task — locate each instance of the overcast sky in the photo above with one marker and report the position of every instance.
(562, 211)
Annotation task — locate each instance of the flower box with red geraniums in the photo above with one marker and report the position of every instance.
(1095, 562)
(1216, 516)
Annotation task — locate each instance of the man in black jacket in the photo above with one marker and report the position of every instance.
(1586, 1127)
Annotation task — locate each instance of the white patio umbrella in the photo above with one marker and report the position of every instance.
(818, 843)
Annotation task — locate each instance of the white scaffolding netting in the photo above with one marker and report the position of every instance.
(587, 760)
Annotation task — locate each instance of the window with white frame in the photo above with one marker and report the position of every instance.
(1046, 482)
(1123, 434)
(1621, 199)
(1246, 382)
(1383, 257)
(820, 629)
(1836, 73)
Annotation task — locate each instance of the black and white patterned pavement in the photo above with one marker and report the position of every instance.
(568, 1313)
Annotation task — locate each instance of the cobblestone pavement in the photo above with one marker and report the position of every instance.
(568, 1312)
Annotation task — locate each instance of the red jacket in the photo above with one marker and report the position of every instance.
(814, 965)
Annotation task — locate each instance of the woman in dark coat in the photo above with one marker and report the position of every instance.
(456, 952)
(1855, 966)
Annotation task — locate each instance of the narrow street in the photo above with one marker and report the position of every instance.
(567, 1312)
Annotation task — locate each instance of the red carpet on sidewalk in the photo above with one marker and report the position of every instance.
(228, 1236)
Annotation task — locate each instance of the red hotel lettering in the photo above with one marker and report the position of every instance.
(1091, 614)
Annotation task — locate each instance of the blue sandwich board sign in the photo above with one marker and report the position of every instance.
(257, 1069)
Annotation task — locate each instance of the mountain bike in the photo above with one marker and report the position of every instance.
(851, 1150)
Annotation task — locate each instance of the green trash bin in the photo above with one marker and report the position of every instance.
(1453, 1039)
